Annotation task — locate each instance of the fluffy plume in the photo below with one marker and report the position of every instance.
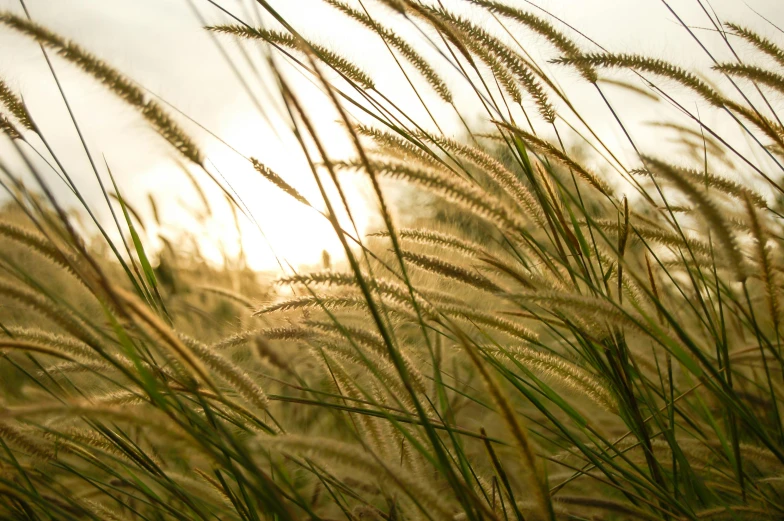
(403, 47)
(15, 106)
(707, 207)
(763, 44)
(448, 187)
(552, 152)
(565, 372)
(753, 73)
(332, 59)
(643, 63)
(113, 80)
(275, 179)
(542, 27)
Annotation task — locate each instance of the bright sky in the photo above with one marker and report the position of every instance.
(160, 44)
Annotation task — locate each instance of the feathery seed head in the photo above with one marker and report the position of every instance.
(651, 65)
(339, 63)
(762, 44)
(15, 106)
(275, 179)
(710, 211)
(8, 128)
(115, 81)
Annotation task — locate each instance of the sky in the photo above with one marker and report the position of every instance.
(161, 45)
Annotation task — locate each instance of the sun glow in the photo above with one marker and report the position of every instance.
(275, 230)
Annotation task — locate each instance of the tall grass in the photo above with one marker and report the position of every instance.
(566, 335)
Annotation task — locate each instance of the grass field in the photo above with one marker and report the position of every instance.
(546, 324)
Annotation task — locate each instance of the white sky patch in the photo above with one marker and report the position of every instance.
(161, 44)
